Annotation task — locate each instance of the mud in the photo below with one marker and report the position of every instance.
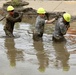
(23, 56)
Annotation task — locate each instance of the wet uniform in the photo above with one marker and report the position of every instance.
(39, 27)
(10, 21)
(61, 28)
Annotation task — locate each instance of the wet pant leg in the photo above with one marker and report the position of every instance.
(8, 33)
(58, 40)
(37, 36)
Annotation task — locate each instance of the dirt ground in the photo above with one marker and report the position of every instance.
(50, 6)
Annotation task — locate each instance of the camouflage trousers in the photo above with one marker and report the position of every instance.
(58, 40)
(37, 36)
(8, 33)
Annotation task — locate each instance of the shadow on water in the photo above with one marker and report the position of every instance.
(13, 54)
(41, 56)
(62, 56)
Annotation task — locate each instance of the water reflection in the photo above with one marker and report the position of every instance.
(13, 53)
(62, 56)
(41, 56)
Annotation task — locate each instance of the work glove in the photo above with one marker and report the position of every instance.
(57, 16)
(21, 13)
(67, 25)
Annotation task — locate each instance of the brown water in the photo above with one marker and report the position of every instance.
(22, 56)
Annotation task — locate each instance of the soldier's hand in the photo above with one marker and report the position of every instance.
(67, 26)
(56, 17)
(21, 13)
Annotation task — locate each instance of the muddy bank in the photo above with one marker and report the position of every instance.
(29, 8)
(31, 13)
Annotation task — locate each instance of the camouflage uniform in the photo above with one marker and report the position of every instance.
(39, 28)
(10, 21)
(61, 28)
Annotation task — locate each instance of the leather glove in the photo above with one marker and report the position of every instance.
(57, 16)
(21, 13)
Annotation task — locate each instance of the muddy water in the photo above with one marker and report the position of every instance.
(22, 56)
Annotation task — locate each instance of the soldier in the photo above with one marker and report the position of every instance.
(11, 19)
(40, 23)
(61, 27)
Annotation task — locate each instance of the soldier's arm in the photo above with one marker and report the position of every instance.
(14, 19)
(50, 21)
